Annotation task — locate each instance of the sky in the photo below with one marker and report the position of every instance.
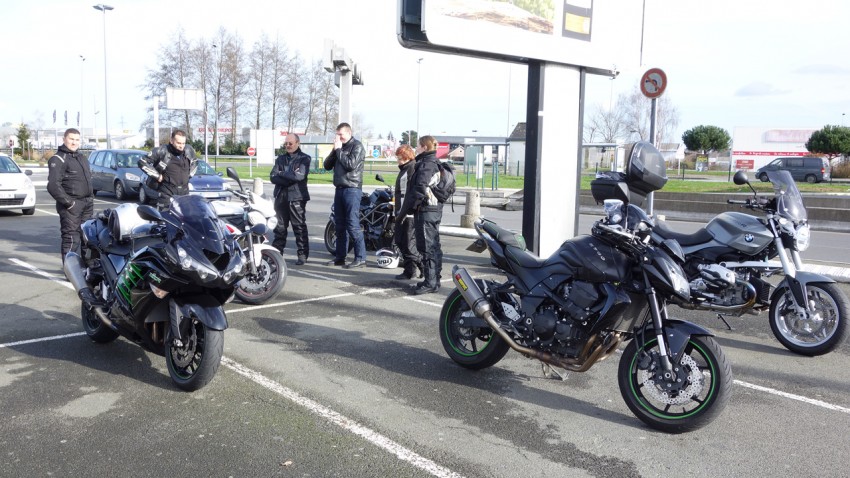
(729, 63)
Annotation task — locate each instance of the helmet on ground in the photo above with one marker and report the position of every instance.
(386, 259)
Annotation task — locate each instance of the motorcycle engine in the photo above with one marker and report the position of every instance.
(561, 327)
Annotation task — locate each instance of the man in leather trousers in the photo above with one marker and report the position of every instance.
(346, 160)
(427, 214)
(176, 163)
(289, 175)
(69, 182)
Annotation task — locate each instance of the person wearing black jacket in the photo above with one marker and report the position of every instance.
(69, 182)
(403, 236)
(176, 163)
(427, 214)
(346, 160)
(289, 175)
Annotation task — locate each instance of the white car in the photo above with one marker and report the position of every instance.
(16, 189)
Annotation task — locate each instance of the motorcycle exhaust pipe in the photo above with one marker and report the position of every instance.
(74, 272)
(479, 304)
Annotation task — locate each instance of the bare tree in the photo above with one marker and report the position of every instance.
(328, 104)
(292, 96)
(279, 64)
(605, 126)
(175, 68)
(256, 85)
(236, 80)
(313, 92)
(637, 109)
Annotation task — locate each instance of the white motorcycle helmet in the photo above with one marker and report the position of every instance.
(386, 259)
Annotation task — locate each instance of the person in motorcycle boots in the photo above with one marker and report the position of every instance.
(289, 175)
(427, 214)
(404, 236)
(69, 182)
(176, 163)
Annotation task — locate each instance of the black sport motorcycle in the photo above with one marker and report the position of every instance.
(377, 219)
(160, 280)
(729, 260)
(577, 306)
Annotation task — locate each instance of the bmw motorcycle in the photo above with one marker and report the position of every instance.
(377, 219)
(160, 280)
(267, 272)
(576, 307)
(729, 260)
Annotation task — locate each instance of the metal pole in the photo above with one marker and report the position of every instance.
(104, 8)
(652, 139)
(82, 63)
(418, 83)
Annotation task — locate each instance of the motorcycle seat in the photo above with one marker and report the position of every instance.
(504, 236)
(700, 237)
(524, 258)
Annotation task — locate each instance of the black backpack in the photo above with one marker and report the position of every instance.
(445, 187)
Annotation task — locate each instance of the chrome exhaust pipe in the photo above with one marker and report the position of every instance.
(74, 272)
(479, 304)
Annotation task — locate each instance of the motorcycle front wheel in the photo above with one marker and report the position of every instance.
(266, 283)
(815, 334)
(470, 346)
(690, 399)
(194, 364)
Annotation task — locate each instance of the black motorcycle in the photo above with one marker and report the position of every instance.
(377, 219)
(160, 280)
(729, 260)
(577, 306)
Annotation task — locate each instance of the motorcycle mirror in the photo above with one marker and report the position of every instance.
(231, 173)
(149, 213)
(740, 178)
(259, 229)
(379, 177)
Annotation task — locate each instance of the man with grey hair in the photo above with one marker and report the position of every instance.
(289, 176)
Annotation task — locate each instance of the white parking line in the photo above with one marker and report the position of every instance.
(343, 422)
(800, 398)
(47, 275)
(42, 339)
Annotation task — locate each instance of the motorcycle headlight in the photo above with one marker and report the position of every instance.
(188, 264)
(680, 284)
(255, 217)
(271, 223)
(802, 238)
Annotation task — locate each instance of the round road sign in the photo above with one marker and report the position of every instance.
(252, 151)
(653, 83)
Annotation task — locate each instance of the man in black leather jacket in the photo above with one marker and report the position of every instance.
(346, 160)
(69, 182)
(176, 163)
(427, 214)
(289, 175)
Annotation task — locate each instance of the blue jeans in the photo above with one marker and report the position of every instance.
(347, 223)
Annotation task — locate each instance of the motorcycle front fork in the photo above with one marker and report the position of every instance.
(659, 315)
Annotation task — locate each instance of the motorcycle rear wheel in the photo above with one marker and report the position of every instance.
(474, 348)
(266, 283)
(691, 400)
(330, 239)
(816, 336)
(194, 365)
(95, 329)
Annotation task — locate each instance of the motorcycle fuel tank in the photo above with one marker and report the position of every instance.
(740, 231)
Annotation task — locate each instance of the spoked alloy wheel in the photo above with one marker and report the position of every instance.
(691, 398)
(194, 365)
(811, 334)
(473, 347)
(266, 283)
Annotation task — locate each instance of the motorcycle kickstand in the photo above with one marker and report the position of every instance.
(720, 316)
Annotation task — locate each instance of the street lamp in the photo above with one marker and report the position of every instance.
(418, 83)
(82, 64)
(104, 8)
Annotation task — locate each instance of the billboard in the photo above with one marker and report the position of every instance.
(601, 35)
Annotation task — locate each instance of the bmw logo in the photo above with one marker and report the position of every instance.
(748, 237)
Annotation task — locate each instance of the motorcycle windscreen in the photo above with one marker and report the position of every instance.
(200, 222)
(789, 201)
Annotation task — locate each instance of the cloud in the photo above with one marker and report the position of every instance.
(822, 69)
(759, 88)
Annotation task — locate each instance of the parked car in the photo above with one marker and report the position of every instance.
(116, 171)
(205, 183)
(16, 189)
(809, 169)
